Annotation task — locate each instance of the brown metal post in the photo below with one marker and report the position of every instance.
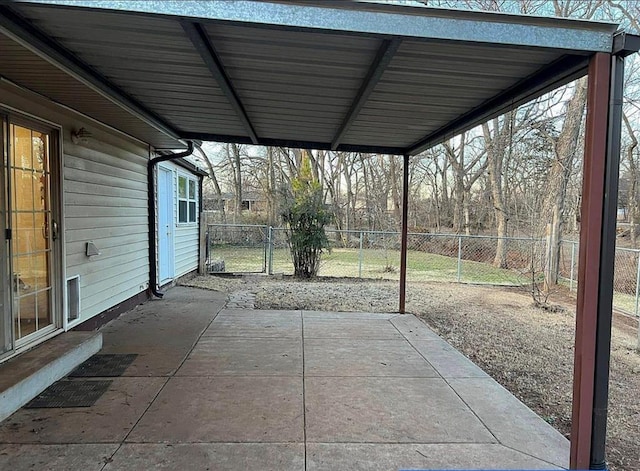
(403, 245)
(591, 225)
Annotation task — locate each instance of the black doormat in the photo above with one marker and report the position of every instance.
(77, 393)
(104, 366)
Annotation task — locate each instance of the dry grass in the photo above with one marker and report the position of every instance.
(526, 349)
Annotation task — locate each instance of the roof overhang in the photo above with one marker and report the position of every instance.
(350, 76)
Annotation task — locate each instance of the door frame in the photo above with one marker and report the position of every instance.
(166, 203)
(57, 268)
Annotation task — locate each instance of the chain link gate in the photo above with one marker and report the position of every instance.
(237, 248)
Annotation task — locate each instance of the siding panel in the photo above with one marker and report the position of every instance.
(186, 251)
(105, 201)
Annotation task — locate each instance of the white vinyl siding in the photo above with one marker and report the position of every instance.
(186, 249)
(105, 201)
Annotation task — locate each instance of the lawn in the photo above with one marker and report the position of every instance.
(372, 264)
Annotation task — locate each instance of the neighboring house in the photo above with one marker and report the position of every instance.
(179, 203)
(253, 201)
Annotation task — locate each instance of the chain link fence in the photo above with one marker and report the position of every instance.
(376, 255)
(626, 279)
(242, 248)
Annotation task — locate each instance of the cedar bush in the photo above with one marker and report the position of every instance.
(305, 216)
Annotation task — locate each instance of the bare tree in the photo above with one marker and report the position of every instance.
(465, 174)
(565, 152)
(212, 176)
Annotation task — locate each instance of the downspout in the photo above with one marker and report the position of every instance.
(151, 201)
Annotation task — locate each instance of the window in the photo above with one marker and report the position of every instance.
(187, 199)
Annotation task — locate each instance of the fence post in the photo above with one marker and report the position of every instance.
(203, 247)
(360, 255)
(573, 261)
(459, 276)
(270, 240)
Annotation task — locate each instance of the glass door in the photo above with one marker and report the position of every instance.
(33, 232)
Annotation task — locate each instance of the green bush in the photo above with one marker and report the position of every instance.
(305, 216)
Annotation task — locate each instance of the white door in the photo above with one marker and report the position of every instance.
(165, 225)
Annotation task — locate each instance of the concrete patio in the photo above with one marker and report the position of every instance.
(242, 389)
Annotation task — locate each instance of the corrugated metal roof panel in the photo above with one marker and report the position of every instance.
(123, 43)
(291, 69)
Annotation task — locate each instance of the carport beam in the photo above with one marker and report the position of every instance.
(201, 42)
(383, 58)
(403, 244)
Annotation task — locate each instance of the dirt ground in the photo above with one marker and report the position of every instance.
(528, 350)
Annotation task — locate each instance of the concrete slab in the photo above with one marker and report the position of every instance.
(348, 315)
(152, 361)
(89, 457)
(259, 327)
(244, 356)
(373, 400)
(162, 331)
(513, 423)
(175, 321)
(319, 328)
(383, 457)
(24, 377)
(448, 361)
(388, 410)
(235, 313)
(107, 421)
(224, 409)
(348, 357)
(413, 328)
(214, 456)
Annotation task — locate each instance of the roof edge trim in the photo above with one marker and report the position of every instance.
(481, 27)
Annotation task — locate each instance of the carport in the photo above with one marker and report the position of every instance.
(351, 76)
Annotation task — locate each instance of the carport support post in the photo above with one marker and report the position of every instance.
(596, 259)
(403, 243)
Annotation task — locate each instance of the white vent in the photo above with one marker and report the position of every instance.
(73, 298)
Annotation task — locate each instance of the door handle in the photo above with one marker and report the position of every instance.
(54, 230)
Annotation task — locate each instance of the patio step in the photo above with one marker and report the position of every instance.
(24, 377)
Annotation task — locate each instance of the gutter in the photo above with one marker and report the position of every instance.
(151, 201)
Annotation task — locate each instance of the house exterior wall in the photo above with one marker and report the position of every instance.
(185, 234)
(104, 201)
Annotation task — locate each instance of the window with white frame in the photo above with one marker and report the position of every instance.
(187, 199)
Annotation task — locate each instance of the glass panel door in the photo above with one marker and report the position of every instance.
(33, 231)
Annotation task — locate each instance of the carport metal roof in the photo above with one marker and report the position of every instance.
(355, 76)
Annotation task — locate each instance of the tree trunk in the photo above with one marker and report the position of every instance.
(237, 180)
(395, 193)
(632, 196)
(216, 184)
(558, 179)
(496, 147)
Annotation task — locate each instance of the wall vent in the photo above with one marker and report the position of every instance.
(73, 298)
